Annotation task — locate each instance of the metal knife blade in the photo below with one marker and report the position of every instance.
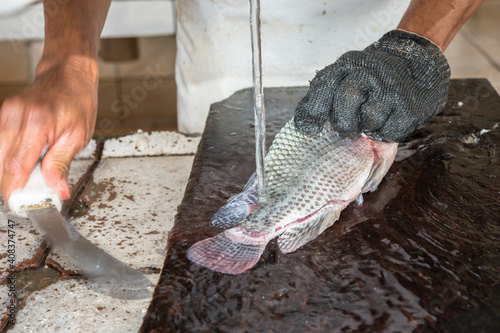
(42, 204)
(92, 260)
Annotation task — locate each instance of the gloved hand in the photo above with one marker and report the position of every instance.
(387, 90)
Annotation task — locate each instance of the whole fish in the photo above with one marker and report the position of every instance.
(310, 180)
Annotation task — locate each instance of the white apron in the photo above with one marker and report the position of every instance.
(299, 37)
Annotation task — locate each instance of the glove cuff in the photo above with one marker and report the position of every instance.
(409, 45)
(405, 34)
(425, 60)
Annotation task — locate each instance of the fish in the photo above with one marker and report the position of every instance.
(310, 180)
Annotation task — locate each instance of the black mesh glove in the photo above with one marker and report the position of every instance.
(387, 90)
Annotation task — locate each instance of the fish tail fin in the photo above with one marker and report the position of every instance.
(227, 253)
(299, 234)
(238, 208)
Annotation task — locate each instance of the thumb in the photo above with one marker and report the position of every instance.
(55, 167)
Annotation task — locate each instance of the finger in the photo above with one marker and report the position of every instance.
(396, 124)
(56, 164)
(22, 157)
(312, 111)
(350, 95)
(373, 115)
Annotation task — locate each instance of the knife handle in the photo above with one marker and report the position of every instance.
(34, 195)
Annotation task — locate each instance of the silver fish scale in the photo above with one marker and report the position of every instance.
(304, 173)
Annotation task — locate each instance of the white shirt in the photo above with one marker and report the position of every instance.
(299, 37)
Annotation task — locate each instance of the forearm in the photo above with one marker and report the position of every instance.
(438, 21)
(72, 32)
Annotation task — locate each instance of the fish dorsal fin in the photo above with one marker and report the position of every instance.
(299, 234)
(239, 207)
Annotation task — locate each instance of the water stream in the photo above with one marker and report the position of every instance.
(258, 98)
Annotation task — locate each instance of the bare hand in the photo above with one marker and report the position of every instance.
(58, 111)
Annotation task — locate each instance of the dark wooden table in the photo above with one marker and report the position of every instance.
(422, 253)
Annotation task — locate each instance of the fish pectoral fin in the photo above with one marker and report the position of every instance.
(299, 234)
(227, 253)
(359, 200)
(239, 207)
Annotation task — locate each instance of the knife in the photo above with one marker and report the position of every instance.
(42, 205)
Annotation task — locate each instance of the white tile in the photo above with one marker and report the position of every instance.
(80, 306)
(78, 168)
(132, 204)
(88, 152)
(4, 302)
(151, 144)
(26, 237)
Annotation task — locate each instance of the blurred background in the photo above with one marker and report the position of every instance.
(139, 39)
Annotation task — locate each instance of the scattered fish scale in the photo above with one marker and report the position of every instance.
(310, 181)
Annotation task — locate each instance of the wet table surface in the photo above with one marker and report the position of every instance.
(421, 254)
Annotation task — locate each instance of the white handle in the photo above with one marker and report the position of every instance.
(35, 194)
